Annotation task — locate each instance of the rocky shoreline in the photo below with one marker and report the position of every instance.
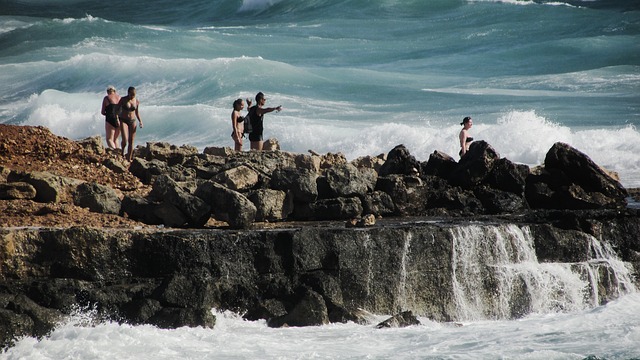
(296, 239)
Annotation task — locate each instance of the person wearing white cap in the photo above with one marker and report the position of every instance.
(110, 111)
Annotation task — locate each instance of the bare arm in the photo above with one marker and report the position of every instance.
(260, 111)
(105, 102)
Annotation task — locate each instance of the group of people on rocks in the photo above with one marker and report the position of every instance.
(121, 114)
(254, 119)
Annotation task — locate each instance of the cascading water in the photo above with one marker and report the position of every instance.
(496, 275)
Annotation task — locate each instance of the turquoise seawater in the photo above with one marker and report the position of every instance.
(356, 77)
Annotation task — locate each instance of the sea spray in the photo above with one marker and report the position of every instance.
(496, 275)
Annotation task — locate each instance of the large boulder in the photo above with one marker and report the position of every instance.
(310, 310)
(196, 211)
(508, 176)
(344, 181)
(141, 209)
(475, 165)
(439, 164)
(408, 193)
(571, 180)
(165, 152)
(241, 178)
(97, 198)
(272, 205)
(301, 182)
(149, 171)
(50, 188)
(17, 190)
(227, 205)
(337, 208)
(400, 161)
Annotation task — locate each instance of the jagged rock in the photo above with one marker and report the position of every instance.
(271, 144)
(93, 144)
(311, 310)
(17, 190)
(337, 208)
(139, 311)
(369, 162)
(170, 215)
(141, 209)
(116, 166)
(165, 152)
(444, 199)
(404, 319)
(330, 160)
(218, 151)
(408, 193)
(50, 188)
(301, 182)
(475, 165)
(149, 171)
(308, 162)
(14, 326)
(172, 318)
(439, 164)
(204, 160)
(227, 205)
(378, 203)
(508, 176)
(343, 180)
(240, 178)
(196, 211)
(266, 309)
(500, 202)
(571, 180)
(400, 161)
(272, 204)
(97, 198)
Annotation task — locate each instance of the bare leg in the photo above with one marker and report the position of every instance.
(110, 131)
(132, 137)
(116, 134)
(256, 145)
(124, 130)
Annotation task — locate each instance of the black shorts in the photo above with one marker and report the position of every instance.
(255, 136)
(113, 120)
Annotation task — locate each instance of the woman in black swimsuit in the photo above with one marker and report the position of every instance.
(465, 139)
(110, 112)
(129, 113)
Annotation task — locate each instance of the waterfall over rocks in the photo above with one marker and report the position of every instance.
(496, 275)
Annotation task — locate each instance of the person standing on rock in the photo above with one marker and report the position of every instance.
(256, 116)
(110, 111)
(465, 139)
(129, 113)
(237, 122)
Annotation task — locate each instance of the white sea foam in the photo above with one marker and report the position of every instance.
(608, 331)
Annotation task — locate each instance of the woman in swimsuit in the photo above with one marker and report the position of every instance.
(237, 123)
(110, 112)
(129, 113)
(465, 139)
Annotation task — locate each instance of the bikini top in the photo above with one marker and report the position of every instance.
(240, 119)
(469, 139)
(131, 107)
